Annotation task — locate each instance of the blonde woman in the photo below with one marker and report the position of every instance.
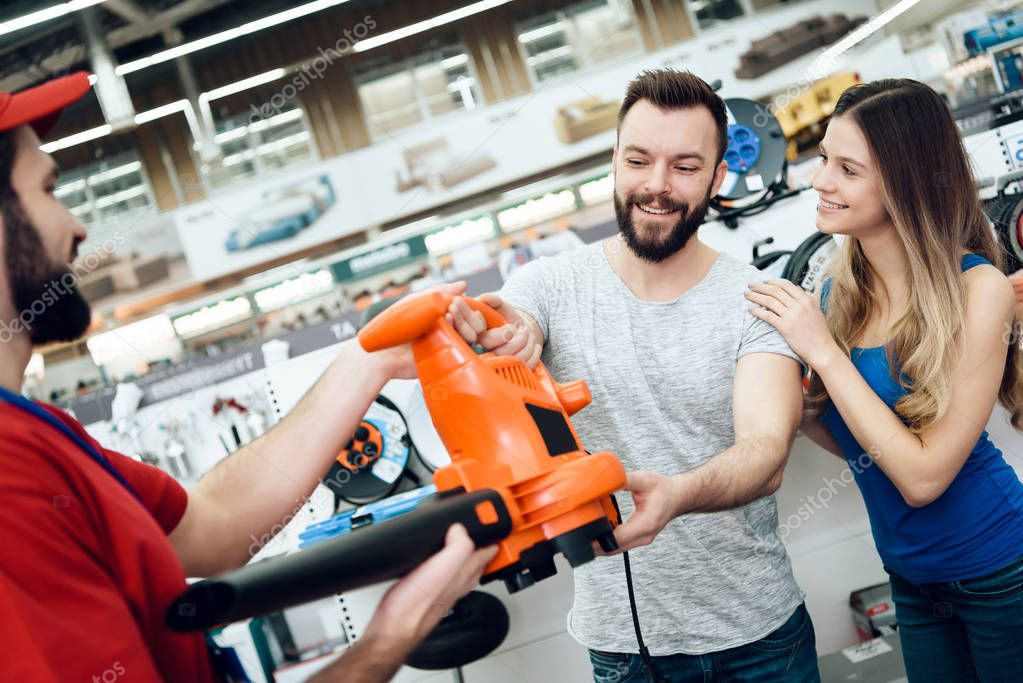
(911, 341)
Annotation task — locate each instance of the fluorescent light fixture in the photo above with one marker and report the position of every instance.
(230, 89)
(536, 210)
(161, 111)
(77, 138)
(279, 120)
(115, 172)
(44, 15)
(861, 34)
(452, 62)
(123, 195)
(257, 126)
(229, 135)
(283, 143)
(106, 129)
(459, 235)
(597, 191)
(266, 148)
(542, 32)
(153, 335)
(69, 188)
(244, 84)
(301, 288)
(230, 34)
(209, 318)
(550, 55)
(240, 157)
(427, 24)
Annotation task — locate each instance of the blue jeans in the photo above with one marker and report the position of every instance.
(787, 655)
(970, 630)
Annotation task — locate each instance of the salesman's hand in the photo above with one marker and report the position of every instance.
(512, 339)
(656, 497)
(398, 360)
(409, 611)
(414, 605)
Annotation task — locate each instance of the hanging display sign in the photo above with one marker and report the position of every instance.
(379, 260)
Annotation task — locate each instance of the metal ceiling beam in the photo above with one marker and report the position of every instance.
(128, 10)
(125, 35)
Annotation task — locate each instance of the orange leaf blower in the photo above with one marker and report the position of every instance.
(518, 478)
(506, 428)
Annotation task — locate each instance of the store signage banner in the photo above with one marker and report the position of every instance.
(379, 260)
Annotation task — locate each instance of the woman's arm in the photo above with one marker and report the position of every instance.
(820, 435)
(920, 465)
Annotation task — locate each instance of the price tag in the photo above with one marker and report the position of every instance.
(867, 650)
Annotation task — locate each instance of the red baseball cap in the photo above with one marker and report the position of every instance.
(40, 106)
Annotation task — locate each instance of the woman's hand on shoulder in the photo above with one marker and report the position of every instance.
(797, 315)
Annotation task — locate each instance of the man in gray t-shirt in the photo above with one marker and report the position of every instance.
(699, 399)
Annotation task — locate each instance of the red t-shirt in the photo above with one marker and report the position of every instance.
(86, 572)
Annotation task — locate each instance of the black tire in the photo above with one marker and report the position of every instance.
(764, 260)
(796, 269)
(1005, 213)
(475, 627)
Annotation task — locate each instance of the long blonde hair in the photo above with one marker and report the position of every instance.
(929, 193)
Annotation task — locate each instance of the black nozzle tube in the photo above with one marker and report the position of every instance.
(364, 557)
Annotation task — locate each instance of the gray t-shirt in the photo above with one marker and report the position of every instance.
(661, 377)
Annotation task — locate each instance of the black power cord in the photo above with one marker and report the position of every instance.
(776, 192)
(653, 675)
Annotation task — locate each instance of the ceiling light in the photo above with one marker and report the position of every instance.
(77, 138)
(427, 24)
(69, 188)
(161, 111)
(244, 84)
(116, 172)
(865, 30)
(230, 34)
(542, 32)
(44, 15)
(140, 118)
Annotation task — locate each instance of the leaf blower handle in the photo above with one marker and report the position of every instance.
(413, 317)
(491, 316)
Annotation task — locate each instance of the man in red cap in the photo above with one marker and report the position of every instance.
(94, 545)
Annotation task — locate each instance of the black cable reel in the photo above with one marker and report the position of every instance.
(756, 160)
(1005, 211)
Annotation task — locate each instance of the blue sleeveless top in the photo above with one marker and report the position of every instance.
(974, 528)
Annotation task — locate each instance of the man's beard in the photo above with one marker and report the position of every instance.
(46, 298)
(657, 248)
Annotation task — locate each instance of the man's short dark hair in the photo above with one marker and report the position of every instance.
(670, 89)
